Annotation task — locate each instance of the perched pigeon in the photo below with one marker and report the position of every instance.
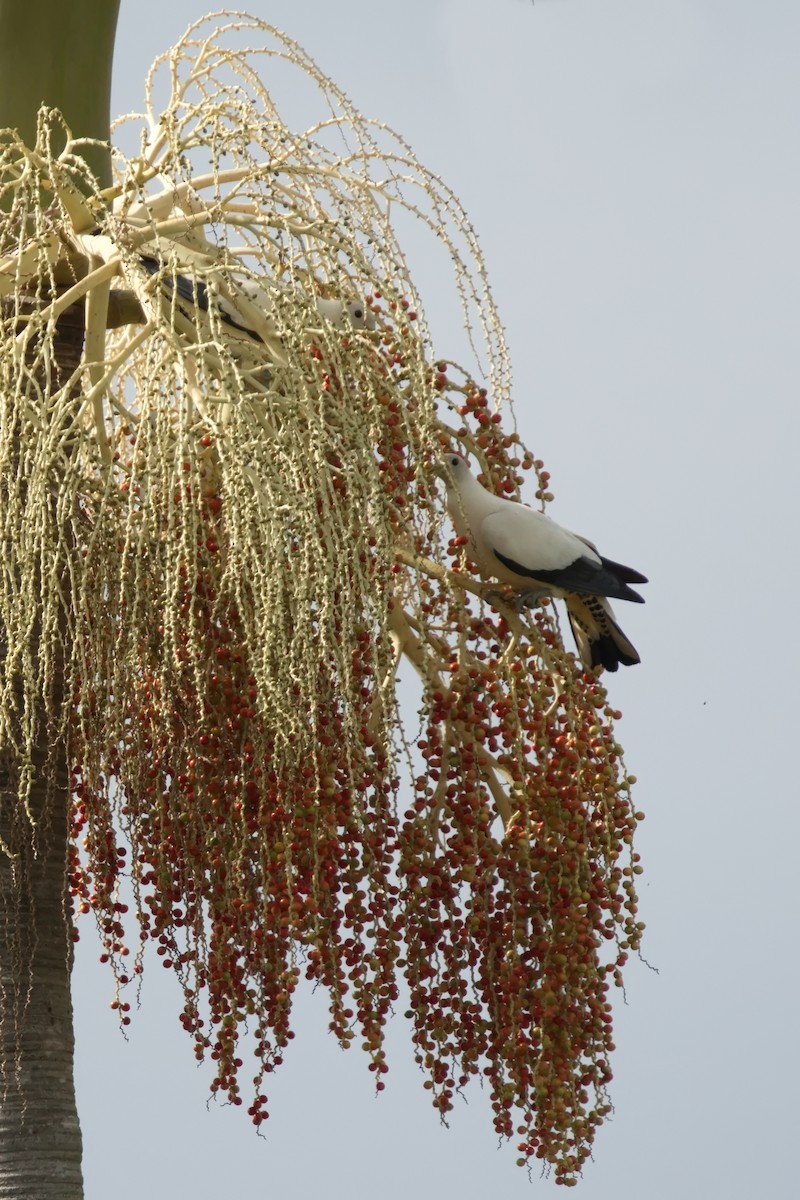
(537, 557)
(245, 307)
(252, 334)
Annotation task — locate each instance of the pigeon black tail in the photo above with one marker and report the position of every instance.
(600, 641)
(626, 574)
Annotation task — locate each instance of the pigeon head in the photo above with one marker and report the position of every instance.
(360, 316)
(452, 468)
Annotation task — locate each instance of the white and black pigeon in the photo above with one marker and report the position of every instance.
(251, 330)
(537, 557)
(244, 307)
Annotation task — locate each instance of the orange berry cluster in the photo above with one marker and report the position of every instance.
(500, 885)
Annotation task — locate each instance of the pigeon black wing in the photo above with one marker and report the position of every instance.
(582, 576)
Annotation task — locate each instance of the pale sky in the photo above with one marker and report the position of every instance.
(632, 170)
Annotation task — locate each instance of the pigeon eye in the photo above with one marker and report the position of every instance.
(358, 314)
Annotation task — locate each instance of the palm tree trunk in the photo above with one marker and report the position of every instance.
(58, 54)
(40, 1137)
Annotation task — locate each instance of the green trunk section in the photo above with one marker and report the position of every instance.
(59, 53)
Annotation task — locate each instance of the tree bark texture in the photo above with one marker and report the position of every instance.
(40, 1139)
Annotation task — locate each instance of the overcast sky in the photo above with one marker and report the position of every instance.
(631, 167)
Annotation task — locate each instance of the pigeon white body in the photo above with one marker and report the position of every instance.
(536, 556)
(342, 314)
